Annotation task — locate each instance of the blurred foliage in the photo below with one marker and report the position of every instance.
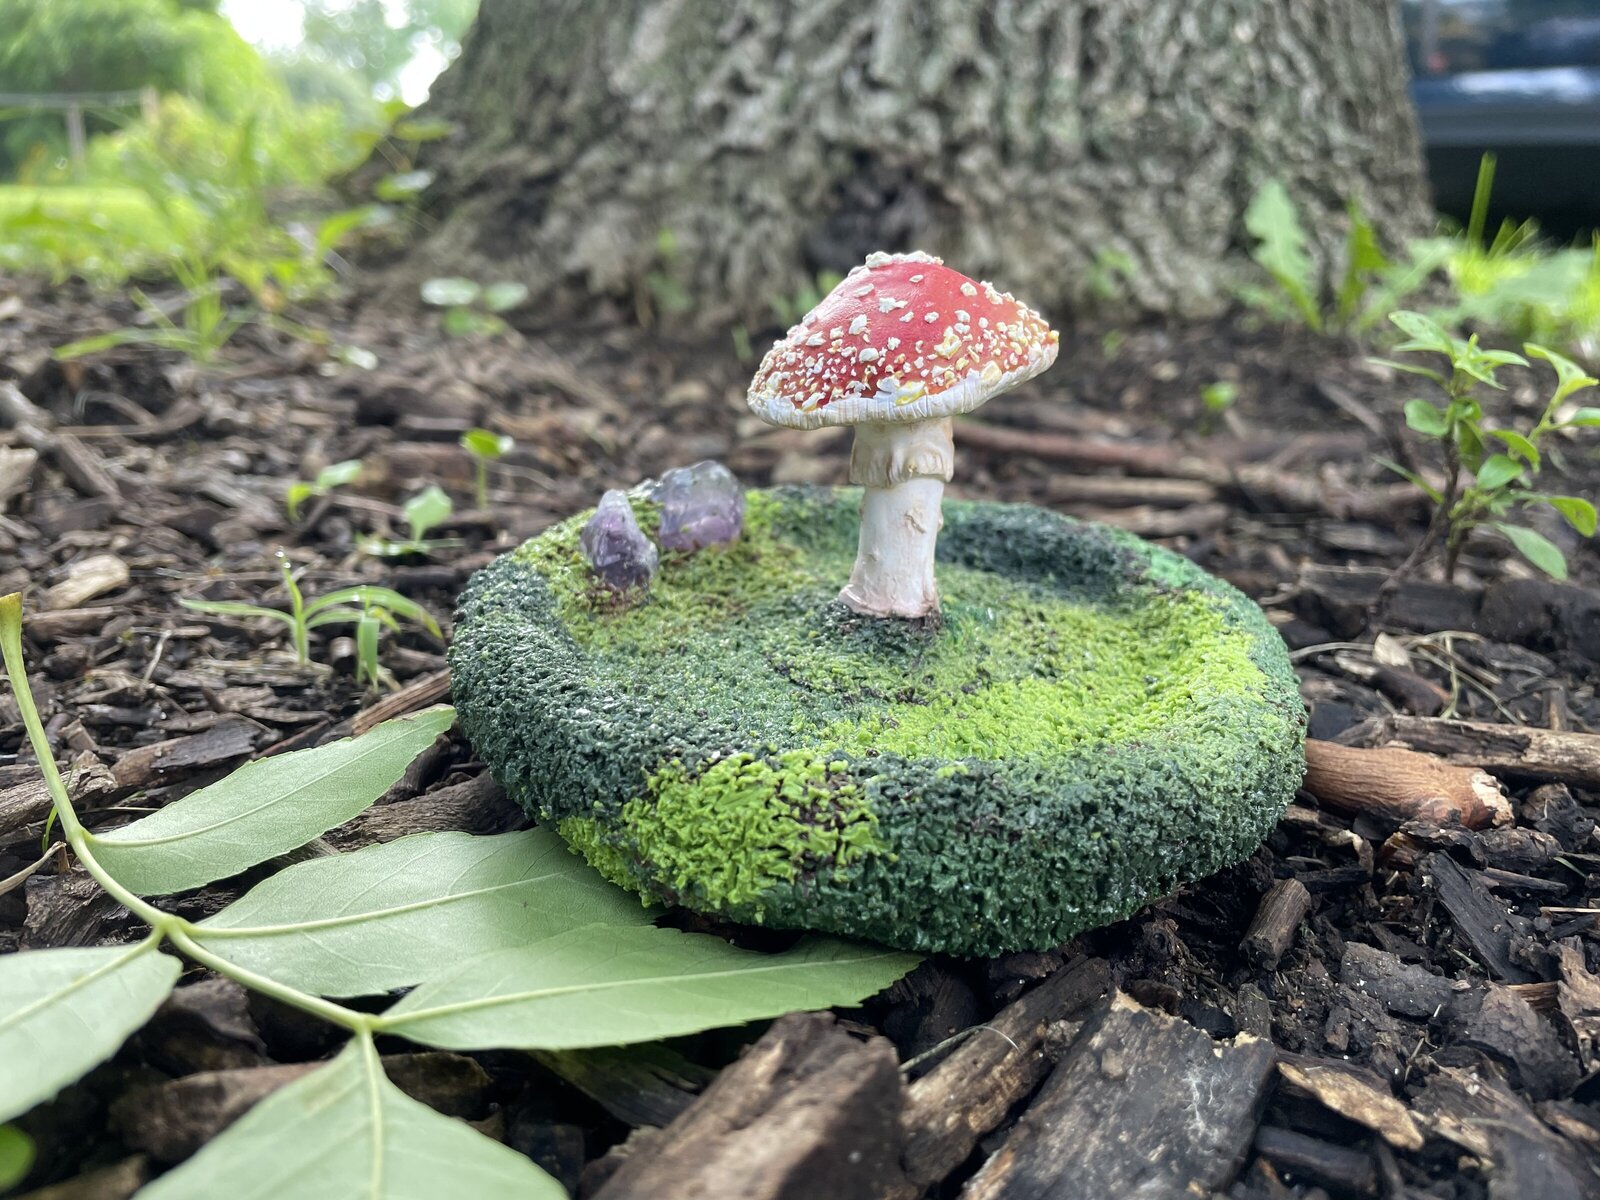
(1513, 286)
(191, 187)
(375, 39)
(51, 46)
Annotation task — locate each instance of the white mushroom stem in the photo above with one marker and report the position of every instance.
(904, 466)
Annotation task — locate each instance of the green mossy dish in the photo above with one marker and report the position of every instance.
(1096, 721)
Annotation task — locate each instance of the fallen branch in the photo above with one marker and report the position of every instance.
(1267, 485)
(1544, 754)
(1402, 785)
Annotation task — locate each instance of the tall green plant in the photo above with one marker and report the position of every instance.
(1483, 484)
(509, 941)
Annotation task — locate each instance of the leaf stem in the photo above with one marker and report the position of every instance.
(163, 925)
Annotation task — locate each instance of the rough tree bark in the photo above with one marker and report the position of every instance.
(710, 155)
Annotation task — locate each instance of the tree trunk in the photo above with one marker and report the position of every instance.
(707, 159)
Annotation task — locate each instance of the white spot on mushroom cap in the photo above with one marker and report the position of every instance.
(859, 325)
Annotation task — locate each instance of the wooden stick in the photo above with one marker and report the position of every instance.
(1402, 785)
(1272, 930)
(1547, 754)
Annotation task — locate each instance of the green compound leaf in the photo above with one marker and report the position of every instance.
(1426, 418)
(1498, 470)
(64, 1011)
(393, 915)
(604, 986)
(265, 808)
(345, 1131)
(1580, 513)
(1536, 548)
(16, 1156)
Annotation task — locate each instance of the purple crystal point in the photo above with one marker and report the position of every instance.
(701, 506)
(616, 547)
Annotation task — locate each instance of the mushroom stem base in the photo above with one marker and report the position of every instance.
(893, 573)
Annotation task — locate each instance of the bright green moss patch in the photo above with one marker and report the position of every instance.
(1094, 721)
(722, 836)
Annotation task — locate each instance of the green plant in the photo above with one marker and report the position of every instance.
(1482, 484)
(1370, 282)
(485, 446)
(335, 475)
(1219, 396)
(471, 310)
(507, 942)
(351, 604)
(16, 1156)
(208, 321)
(430, 507)
(1216, 398)
(190, 204)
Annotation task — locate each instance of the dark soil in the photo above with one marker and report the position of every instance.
(1446, 977)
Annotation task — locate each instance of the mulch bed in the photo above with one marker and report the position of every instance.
(1369, 1006)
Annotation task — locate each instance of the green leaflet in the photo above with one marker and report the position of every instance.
(392, 915)
(345, 1132)
(16, 1156)
(265, 808)
(64, 1011)
(559, 993)
(1536, 548)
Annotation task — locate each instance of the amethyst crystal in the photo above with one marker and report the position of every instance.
(616, 547)
(701, 506)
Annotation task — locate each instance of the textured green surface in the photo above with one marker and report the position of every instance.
(1096, 721)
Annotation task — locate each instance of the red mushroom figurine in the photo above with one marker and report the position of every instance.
(901, 346)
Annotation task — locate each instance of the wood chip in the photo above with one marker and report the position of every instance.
(1277, 919)
(1143, 1104)
(1354, 1098)
(998, 1064)
(86, 579)
(808, 1111)
(16, 471)
(225, 743)
(1483, 922)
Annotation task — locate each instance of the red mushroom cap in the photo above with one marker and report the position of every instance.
(902, 338)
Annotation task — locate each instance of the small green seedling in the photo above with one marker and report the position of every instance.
(471, 310)
(352, 604)
(1219, 397)
(1482, 484)
(1216, 398)
(427, 509)
(330, 477)
(486, 447)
